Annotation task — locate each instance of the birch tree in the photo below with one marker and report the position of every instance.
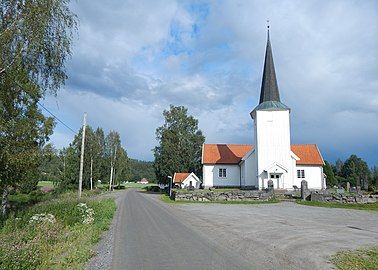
(35, 42)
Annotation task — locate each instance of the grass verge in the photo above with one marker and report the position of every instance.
(61, 242)
(356, 259)
(366, 206)
(49, 184)
(165, 198)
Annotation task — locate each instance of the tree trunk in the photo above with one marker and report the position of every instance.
(91, 173)
(4, 202)
(111, 177)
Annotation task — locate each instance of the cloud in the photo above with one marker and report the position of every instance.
(134, 58)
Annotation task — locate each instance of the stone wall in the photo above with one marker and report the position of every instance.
(343, 198)
(234, 195)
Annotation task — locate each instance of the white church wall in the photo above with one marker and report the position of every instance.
(242, 173)
(211, 176)
(207, 175)
(250, 171)
(313, 176)
(291, 181)
(272, 129)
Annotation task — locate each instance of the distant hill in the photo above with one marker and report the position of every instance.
(142, 169)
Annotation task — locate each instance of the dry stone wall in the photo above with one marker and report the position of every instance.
(237, 195)
(343, 198)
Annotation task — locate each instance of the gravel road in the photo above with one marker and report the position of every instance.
(149, 234)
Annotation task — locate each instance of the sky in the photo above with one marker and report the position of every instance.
(132, 59)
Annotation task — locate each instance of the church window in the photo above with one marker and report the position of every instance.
(300, 174)
(222, 172)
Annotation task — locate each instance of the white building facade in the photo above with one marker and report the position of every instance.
(272, 157)
(186, 180)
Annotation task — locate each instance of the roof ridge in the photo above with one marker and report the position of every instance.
(228, 143)
(304, 144)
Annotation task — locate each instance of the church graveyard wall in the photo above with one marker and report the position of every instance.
(343, 198)
(235, 195)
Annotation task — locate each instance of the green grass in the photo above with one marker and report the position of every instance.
(48, 184)
(165, 198)
(64, 244)
(356, 206)
(359, 259)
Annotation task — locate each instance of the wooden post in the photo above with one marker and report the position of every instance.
(82, 156)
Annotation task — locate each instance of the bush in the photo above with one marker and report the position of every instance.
(152, 188)
(57, 225)
(120, 187)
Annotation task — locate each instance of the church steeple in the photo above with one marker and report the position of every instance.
(269, 95)
(269, 87)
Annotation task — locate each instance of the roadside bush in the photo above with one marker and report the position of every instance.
(152, 188)
(21, 201)
(120, 187)
(43, 236)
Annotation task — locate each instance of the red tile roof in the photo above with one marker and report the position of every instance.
(180, 177)
(224, 153)
(233, 153)
(309, 154)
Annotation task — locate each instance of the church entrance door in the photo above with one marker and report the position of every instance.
(276, 177)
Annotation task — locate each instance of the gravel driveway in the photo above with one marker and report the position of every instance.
(266, 236)
(284, 235)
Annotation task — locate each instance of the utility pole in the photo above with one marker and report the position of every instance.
(170, 185)
(111, 167)
(82, 155)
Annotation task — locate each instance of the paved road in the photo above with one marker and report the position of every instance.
(150, 236)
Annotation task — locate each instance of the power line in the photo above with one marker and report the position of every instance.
(55, 117)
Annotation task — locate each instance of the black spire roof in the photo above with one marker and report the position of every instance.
(269, 95)
(269, 87)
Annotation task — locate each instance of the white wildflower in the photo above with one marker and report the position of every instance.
(86, 213)
(42, 218)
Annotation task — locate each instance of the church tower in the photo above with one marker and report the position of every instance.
(273, 157)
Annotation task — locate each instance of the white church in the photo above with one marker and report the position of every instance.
(272, 156)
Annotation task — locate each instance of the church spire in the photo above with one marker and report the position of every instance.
(269, 87)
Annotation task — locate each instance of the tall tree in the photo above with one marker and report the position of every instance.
(121, 167)
(51, 164)
(374, 178)
(101, 168)
(337, 167)
(331, 180)
(180, 144)
(112, 151)
(142, 169)
(356, 171)
(35, 41)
